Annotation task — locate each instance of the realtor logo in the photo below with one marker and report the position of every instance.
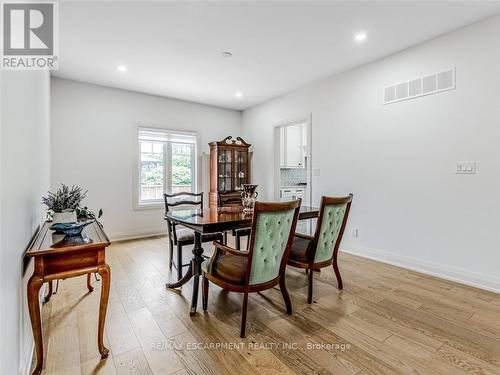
(29, 35)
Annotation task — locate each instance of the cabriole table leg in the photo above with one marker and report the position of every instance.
(105, 273)
(34, 284)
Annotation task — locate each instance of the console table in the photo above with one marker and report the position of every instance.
(60, 257)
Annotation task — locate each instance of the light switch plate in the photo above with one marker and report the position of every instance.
(316, 172)
(465, 167)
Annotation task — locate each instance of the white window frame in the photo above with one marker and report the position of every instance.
(136, 188)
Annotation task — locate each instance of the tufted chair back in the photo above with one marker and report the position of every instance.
(331, 223)
(273, 228)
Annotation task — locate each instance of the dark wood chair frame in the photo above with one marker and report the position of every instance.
(246, 287)
(172, 234)
(310, 266)
(228, 199)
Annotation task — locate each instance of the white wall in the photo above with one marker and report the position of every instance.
(399, 159)
(24, 178)
(93, 145)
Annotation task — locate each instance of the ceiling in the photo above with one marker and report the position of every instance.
(174, 49)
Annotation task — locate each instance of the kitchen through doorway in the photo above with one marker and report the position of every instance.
(292, 164)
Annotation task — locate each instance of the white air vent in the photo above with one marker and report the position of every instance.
(402, 91)
(446, 80)
(390, 94)
(428, 84)
(415, 87)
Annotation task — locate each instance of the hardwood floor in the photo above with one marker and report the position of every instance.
(387, 320)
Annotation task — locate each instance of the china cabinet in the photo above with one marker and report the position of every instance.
(229, 167)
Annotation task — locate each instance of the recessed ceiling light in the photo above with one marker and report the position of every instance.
(226, 54)
(122, 68)
(359, 37)
(238, 94)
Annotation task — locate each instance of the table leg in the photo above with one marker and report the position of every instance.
(196, 265)
(34, 285)
(197, 259)
(105, 273)
(187, 276)
(89, 284)
(194, 270)
(49, 292)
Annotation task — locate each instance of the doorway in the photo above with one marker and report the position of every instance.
(292, 163)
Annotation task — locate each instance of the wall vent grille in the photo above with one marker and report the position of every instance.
(425, 85)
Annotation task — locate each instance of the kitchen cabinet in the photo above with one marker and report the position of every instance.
(293, 146)
(291, 194)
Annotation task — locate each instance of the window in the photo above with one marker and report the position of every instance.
(166, 164)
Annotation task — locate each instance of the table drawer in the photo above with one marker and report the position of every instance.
(65, 262)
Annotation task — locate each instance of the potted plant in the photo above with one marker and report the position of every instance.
(64, 202)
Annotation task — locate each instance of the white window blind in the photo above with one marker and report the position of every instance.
(156, 135)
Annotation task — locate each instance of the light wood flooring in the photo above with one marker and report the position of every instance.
(387, 320)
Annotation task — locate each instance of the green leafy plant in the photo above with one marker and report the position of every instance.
(181, 168)
(65, 198)
(83, 213)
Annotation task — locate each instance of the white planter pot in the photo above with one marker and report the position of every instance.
(64, 217)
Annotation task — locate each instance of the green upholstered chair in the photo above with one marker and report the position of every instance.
(263, 266)
(321, 250)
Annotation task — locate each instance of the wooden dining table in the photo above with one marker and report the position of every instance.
(212, 220)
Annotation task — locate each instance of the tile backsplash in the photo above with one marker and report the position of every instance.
(292, 176)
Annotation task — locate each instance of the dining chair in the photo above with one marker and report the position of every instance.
(321, 250)
(232, 199)
(181, 236)
(263, 266)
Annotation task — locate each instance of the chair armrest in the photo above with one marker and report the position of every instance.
(221, 248)
(227, 249)
(305, 236)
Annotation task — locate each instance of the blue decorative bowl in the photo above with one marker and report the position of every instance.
(70, 229)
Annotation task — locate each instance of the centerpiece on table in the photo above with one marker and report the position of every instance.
(248, 197)
(66, 212)
(63, 203)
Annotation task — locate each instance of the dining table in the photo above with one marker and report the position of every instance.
(213, 220)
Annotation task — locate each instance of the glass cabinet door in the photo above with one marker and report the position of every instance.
(240, 169)
(224, 169)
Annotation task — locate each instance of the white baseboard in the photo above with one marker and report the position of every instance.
(458, 275)
(134, 235)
